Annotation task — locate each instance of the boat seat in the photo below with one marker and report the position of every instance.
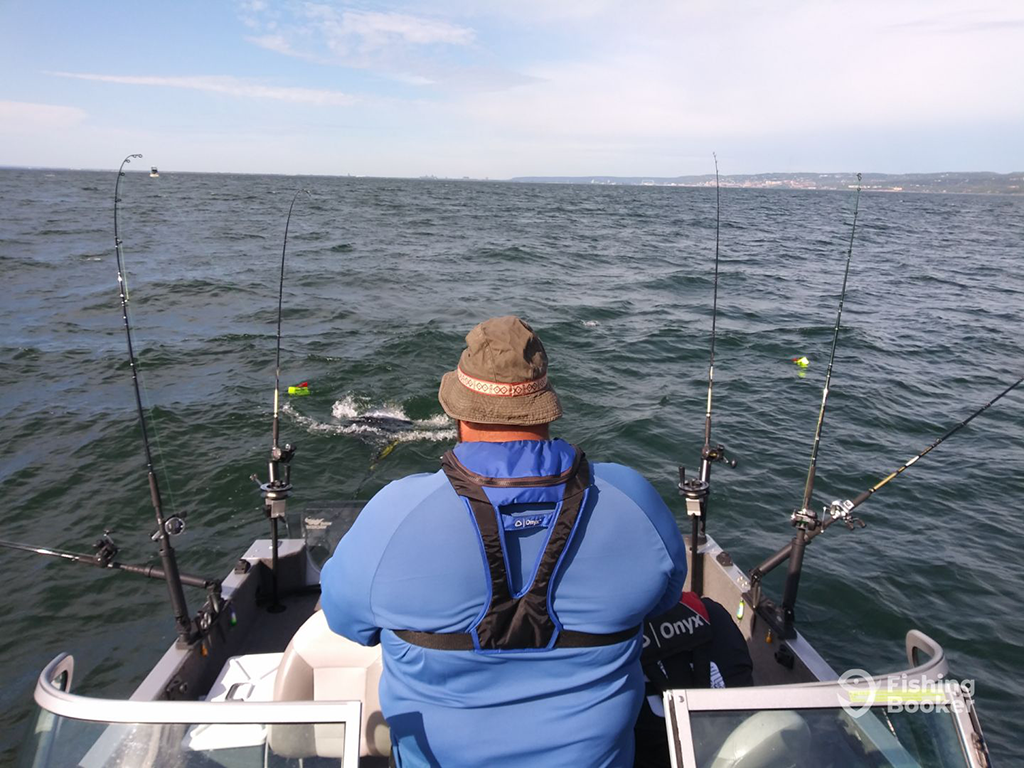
(319, 665)
(251, 677)
(770, 738)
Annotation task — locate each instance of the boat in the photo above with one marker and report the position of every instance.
(257, 678)
(263, 686)
(154, 173)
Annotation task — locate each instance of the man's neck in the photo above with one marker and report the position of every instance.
(472, 432)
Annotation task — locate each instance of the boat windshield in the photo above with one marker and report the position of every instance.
(826, 737)
(817, 724)
(63, 741)
(72, 730)
(323, 526)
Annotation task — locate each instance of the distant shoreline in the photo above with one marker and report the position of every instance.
(942, 183)
(981, 182)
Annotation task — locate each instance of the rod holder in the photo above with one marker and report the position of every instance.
(276, 493)
(695, 492)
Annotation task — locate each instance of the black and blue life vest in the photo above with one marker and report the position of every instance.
(521, 621)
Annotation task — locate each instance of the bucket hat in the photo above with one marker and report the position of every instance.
(502, 377)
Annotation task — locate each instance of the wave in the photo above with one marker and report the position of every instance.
(376, 423)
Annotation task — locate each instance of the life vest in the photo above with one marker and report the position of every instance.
(695, 644)
(677, 646)
(526, 621)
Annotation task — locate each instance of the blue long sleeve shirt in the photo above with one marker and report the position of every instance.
(413, 560)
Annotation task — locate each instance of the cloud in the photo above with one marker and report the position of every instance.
(277, 43)
(962, 22)
(353, 37)
(411, 49)
(414, 79)
(227, 85)
(687, 74)
(373, 29)
(27, 117)
(534, 12)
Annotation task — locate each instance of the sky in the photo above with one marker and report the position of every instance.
(511, 88)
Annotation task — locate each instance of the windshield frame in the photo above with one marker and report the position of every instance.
(52, 694)
(681, 704)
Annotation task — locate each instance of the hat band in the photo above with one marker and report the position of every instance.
(501, 389)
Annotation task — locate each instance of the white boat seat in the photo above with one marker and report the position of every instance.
(251, 677)
(243, 678)
(777, 738)
(319, 665)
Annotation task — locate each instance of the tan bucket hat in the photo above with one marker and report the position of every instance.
(502, 377)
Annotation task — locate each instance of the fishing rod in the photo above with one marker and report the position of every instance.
(189, 631)
(847, 506)
(839, 511)
(805, 519)
(696, 491)
(166, 527)
(278, 487)
(106, 551)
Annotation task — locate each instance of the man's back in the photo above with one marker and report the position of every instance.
(414, 561)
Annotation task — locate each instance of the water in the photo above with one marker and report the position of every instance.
(385, 278)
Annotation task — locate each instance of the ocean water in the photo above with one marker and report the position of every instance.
(384, 279)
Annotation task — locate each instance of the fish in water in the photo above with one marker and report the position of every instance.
(383, 423)
(380, 424)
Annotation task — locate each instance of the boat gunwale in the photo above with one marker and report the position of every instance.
(55, 700)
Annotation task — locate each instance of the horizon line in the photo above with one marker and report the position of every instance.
(425, 177)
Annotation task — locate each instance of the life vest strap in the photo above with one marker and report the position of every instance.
(463, 641)
(524, 622)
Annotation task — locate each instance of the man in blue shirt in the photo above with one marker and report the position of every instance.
(508, 589)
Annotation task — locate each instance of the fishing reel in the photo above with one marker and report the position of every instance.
(695, 491)
(805, 519)
(106, 549)
(173, 526)
(840, 512)
(284, 455)
(717, 454)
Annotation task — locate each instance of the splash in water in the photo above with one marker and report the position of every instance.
(375, 423)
